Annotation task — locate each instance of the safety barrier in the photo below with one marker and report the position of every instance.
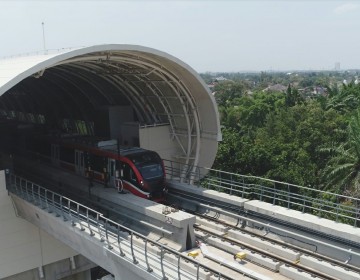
(328, 205)
(95, 223)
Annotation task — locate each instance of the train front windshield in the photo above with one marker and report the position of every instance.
(149, 164)
(151, 171)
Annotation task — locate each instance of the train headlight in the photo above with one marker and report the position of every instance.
(142, 183)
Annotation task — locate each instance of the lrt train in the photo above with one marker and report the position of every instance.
(137, 170)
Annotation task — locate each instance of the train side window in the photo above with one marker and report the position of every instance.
(129, 173)
(132, 175)
(126, 171)
(112, 168)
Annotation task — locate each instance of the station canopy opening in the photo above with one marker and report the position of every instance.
(138, 95)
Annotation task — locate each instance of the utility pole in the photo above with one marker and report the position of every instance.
(43, 29)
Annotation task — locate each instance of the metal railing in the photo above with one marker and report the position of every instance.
(340, 208)
(110, 232)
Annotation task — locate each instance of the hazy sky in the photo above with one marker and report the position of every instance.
(208, 35)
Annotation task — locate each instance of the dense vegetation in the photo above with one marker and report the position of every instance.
(291, 136)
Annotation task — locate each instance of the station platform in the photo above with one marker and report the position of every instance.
(170, 226)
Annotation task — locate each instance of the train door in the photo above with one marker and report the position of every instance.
(112, 173)
(55, 154)
(79, 162)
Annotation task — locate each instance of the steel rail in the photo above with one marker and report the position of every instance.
(286, 245)
(265, 253)
(282, 243)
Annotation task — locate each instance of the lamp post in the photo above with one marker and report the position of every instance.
(43, 30)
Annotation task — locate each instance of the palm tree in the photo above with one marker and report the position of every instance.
(346, 99)
(342, 173)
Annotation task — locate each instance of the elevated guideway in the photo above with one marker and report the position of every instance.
(28, 252)
(243, 201)
(118, 249)
(159, 222)
(283, 211)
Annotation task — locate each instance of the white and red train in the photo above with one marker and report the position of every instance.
(137, 170)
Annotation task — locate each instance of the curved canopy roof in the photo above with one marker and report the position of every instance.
(75, 83)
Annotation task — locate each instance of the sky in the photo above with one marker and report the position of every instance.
(215, 36)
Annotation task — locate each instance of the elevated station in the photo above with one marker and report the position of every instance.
(139, 96)
(56, 224)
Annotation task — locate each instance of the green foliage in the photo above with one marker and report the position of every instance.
(229, 90)
(345, 100)
(283, 136)
(264, 137)
(343, 169)
(293, 97)
(310, 140)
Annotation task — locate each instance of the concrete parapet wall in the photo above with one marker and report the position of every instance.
(199, 191)
(81, 241)
(312, 222)
(24, 246)
(328, 268)
(95, 245)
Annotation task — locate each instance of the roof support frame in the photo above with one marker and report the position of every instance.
(167, 110)
(162, 72)
(88, 82)
(124, 84)
(70, 96)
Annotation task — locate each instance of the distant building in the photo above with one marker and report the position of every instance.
(313, 91)
(215, 81)
(211, 87)
(220, 79)
(337, 66)
(275, 88)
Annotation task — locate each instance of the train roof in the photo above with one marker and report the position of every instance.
(123, 150)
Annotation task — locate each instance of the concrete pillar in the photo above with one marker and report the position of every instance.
(123, 273)
(84, 275)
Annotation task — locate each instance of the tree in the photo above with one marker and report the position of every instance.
(229, 90)
(292, 97)
(343, 168)
(345, 100)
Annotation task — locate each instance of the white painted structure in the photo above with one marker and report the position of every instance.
(26, 249)
(176, 115)
(159, 88)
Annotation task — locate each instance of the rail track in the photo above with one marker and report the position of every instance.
(282, 243)
(239, 226)
(267, 254)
